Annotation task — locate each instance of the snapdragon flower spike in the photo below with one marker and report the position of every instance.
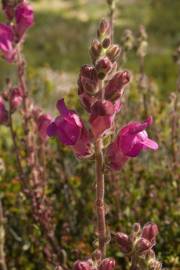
(3, 112)
(114, 89)
(16, 98)
(6, 42)
(130, 141)
(24, 16)
(102, 122)
(43, 122)
(82, 265)
(70, 130)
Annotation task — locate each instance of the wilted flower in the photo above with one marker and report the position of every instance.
(16, 98)
(88, 80)
(43, 122)
(114, 88)
(24, 18)
(3, 112)
(6, 42)
(107, 264)
(82, 265)
(69, 129)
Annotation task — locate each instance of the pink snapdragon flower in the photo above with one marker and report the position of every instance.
(16, 98)
(131, 140)
(3, 112)
(6, 42)
(70, 130)
(24, 18)
(102, 118)
(43, 122)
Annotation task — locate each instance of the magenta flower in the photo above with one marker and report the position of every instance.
(24, 18)
(16, 98)
(101, 119)
(131, 140)
(82, 265)
(43, 122)
(6, 42)
(70, 130)
(3, 112)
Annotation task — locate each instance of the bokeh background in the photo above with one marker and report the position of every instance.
(147, 189)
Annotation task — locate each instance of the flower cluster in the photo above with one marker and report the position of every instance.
(100, 88)
(106, 264)
(20, 18)
(138, 246)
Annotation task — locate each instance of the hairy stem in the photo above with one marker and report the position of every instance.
(3, 265)
(101, 224)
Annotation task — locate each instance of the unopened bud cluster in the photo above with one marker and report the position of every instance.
(138, 246)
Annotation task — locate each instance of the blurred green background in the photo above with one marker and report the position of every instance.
(147, 188)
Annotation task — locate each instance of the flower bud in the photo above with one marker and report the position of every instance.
(149, 232)
(107, 264)
(114, 52)
(106, 43)
(104, 28)
(154, 264)
(8, 8)
(114, 88)
(102, 108)
(24, 18)
(95, 49)
(136, 228)
(3, 112)
(16, 98)
(103, 66)
(142, 245)
(43, 122)
(124, 242)
(82, 265)
(88, 80)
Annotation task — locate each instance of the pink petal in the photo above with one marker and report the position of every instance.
(150, 144)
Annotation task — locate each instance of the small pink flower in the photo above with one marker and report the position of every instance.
(82, 265)
(70, 130)
(3, 112)
(24, 18)
(43, 122)
(131, 140)
(102, 124)
(6, 42)
(16, 98)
